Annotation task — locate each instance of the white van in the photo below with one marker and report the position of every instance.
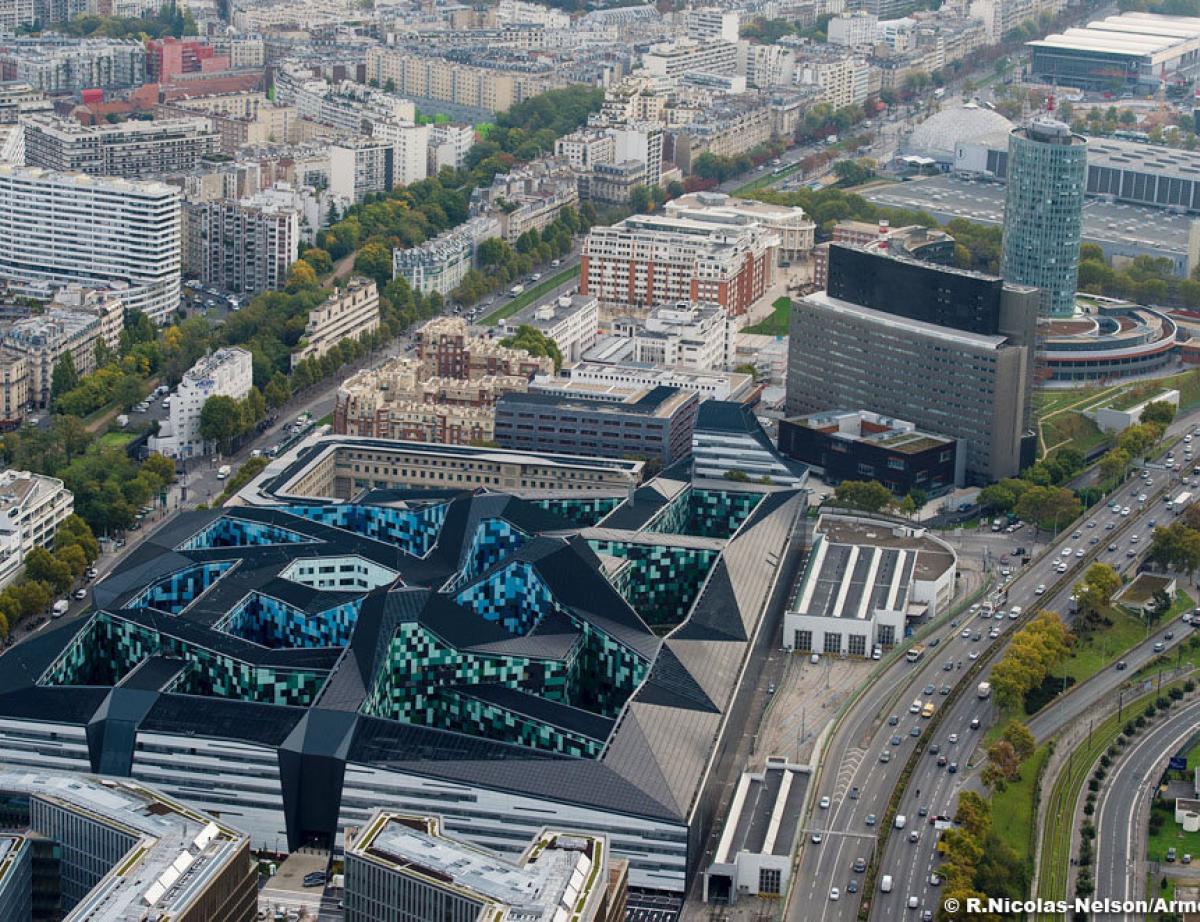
(59, 609)
(223, 471)
(901, 820)
(885, 885)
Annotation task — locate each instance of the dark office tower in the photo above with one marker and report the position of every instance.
(1043, 212)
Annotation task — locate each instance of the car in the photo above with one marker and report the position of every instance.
(976, 637)
(854, 793)
(922, 811)
(935, 879)
(1159, 647)
(913, 902)
(771, 688)
(815, 838)
(1142, 497)
(870, 819)
(934, 749)
(824, 803)
(860, 864)
(1186, 859)
(953, 737)
(1170, 635)
(852, 887)
(80, 593)
(90, 573)
(915, 707)
(935, 641)
(897, 740)
(941, 762)
(1040, 590)
(1066, 552)
(1076, 534)
(944, 690)
(913, 836)
(1092, 524)
(974, 723)
(1134, 539)
(893, 720)
(1110, 526)
(885, 756)
(952, 768)
(1112, 547)
(974, 654)
(1171, 854)
(1079, 553)
(915, 731)
(948, 666)
(929, 689)
(994, 633)
(1125, 511)
(1152, 522)
(965, 633)
(927, 915)
(1093, 541)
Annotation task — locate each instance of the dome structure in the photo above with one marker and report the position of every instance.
(939, 135)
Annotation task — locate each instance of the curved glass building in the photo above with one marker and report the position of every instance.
(1043, 212)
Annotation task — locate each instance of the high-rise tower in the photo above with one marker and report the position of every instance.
(1043, 212)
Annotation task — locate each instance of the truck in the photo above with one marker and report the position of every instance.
(1182, 501)
(915, 652)
(223, 471)
(122, 420)
(984, 690)
(516, 290)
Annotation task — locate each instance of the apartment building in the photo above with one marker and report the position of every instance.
(440, 264)
(359, 167)
(241, 246)
(572, 321)
(602, 376)
(585, 148)
(349, 313)
(464, 85)
(17, 13)
(227, 372)
(169, 57)
(794, 229)
(60, 64)
(679, 335)
(653, 423)
(731, 126)
(14, 389)
(32, 506)
(528, 197)
(243, 51)
(448, 146)
(675, 59)
(410, 142)
(44, 339)
(20, 100)
(845, 80)
(647, 260)
(132, 149)
(853, 29)
(239, 118)
(640, 141)
(613, 183)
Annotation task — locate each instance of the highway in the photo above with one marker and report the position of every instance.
(1123, 808)
(911, 864)
(852, 756)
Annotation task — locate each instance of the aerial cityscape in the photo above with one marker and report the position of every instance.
(599, 461)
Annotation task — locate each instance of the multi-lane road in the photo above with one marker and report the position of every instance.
(859, 785)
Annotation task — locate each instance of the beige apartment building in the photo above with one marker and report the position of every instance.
(349, 313)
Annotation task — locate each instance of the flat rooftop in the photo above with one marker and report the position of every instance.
(933, 560)
(765, 814)
(1112, 223)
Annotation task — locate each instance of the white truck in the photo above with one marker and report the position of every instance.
(984, 690)
(1181, 502)
(223, 471)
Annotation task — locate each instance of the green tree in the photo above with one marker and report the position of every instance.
(1114, 463)
(319, 259)
(220, 420)
(1048, 507)
(41, 565)
(866, 495)
(1175, 546)
(31, 596)
(1158, 411)
(74, 558)
(64, 377)
(1017, 735)
(278, 391)
(535, 342)
(374, 261)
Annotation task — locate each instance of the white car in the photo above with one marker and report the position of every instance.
(824, 803)
(1079, 553)
(974, 654)
(1040, 590)
(835, 894)
(1066, 552)
(953, 737)
(1125, 511)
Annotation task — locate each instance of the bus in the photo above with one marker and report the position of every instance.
(915, 652)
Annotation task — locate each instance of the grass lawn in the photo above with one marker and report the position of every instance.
(326, 420)
(766, 179)
(530, 295)
(1074, 429)
(1095, 652)
(1170, 835)
(116, 439)
(777, 323)
(1014, 808)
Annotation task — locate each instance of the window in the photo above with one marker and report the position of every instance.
(803, 641)
(886, 635)
(833, 642)
(858, 645)
(768, 880)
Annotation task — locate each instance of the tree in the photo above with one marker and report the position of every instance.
(974, 814)
(220, 419)
(319, 259)
(40, 565)
(640, 200)
(737, 476)
(1048, 507)
(1017, 735)
(866, 495)
(64, 377)
(301, 276)
(1158, 411)
(75, 531)
(278, 391)
(1114, 463)
(31, 596)
(918, 496)
(74, 557)
(375, 261)
(535, 342)
(1002, 765)
(1175, 546)
(1002, 496)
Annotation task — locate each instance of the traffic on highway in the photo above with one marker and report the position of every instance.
(866, 753)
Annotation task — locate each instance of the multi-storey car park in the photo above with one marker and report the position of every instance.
(571, 659)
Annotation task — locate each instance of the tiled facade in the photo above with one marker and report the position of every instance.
(661, 581)
(270, 622)
(705, 513)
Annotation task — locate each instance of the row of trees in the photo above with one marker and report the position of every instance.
(1031, 655)
(1006, 755)
(976, 861)
(48, 572)
(872, 496)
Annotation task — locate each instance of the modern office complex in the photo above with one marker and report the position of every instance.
(1133, 50)
(227, 372)
(860, 445)
(1114, 340)
(863, 582)
(950, 350)
(1043, 212)
(122, 852)
(653, 422)
(58, 228)
(405, 868)
(729, 443)
(132, 149)
(504, 663)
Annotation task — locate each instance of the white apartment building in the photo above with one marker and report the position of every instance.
(640, 141)
(227, 372)
(448, 146)
(360, 166)
(711, 24)
(766, 66)
(15, 13)
(587, 147)
(32, 506)
(853, 29)
(440, 264)
(349, 313)
(795, 230)
(58, 228)
(845, 81)
(674, 59)
(615, 382)
(45, 338)
(410, 142)
(572, 321)
(131, 149)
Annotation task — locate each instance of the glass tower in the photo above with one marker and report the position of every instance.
(1043, 212)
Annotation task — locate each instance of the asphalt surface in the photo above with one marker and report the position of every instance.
(911, 864)
(852, 756)
(1123, 808)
